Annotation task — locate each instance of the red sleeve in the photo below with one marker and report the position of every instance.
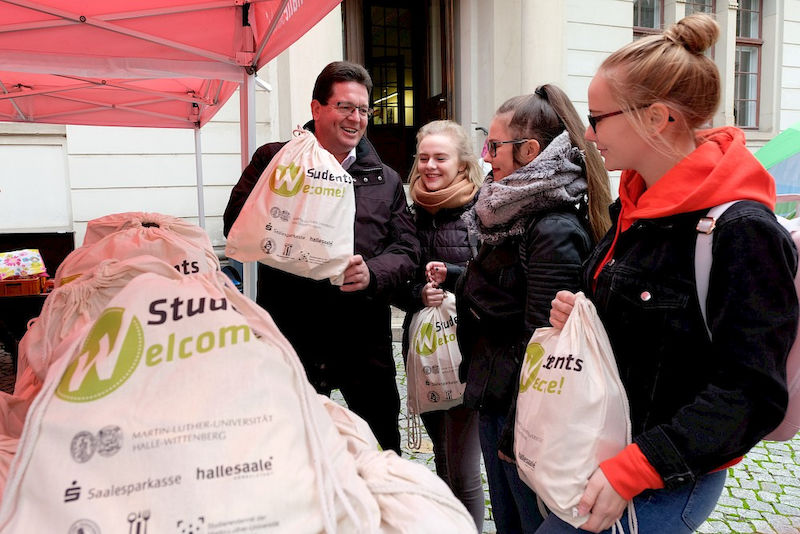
(629, 472)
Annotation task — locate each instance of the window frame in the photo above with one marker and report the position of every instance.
(641, 31)
(758, 44)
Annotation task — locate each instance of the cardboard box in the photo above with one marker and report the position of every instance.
(21, 286)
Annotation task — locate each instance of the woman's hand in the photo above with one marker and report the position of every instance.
(561, 307)
(432, 296)
(436, 272)
(505, 457)
(602, 501)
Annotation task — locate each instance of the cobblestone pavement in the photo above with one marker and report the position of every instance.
(762, 493)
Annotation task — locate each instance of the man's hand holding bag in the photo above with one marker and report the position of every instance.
(299, 217)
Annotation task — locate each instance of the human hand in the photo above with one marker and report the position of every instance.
(561, 307)
(602, 501)
(436, 272)
(432, 296)
(505, 457)
(356, 276)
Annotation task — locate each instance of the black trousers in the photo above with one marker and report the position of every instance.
(373, 396)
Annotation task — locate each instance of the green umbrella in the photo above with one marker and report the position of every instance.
(781, 157)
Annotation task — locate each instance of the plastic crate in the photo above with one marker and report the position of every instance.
(21, 286)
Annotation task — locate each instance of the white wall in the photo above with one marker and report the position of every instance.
(790, 65)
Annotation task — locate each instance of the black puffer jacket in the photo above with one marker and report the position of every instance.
(443, 237)
(338, 334)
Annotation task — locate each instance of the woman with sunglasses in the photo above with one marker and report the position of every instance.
(443, 182)
(537, 214)
(701, 393)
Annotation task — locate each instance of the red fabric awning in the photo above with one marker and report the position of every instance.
(161, 63)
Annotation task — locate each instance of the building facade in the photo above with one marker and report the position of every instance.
(429, 59)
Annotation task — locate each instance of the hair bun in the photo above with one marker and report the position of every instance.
(696, 33)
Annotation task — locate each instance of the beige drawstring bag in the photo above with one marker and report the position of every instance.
(299, 217)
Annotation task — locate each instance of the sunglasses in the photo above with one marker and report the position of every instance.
(492, 145)
(594, 119)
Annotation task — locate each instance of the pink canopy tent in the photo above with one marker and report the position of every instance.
(159, 63)
(163, 63)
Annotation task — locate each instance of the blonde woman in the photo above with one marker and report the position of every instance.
(698, 401)
(444, 180)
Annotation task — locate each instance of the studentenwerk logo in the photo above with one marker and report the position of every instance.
(531, 365)
(287, 180)
(107, 358)
(425, 342)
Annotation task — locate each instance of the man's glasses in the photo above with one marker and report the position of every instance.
(346, 108)
(492, 145)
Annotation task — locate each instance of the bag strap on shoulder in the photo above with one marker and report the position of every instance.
(703, 255)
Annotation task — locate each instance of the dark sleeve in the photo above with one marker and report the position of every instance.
(247, 181)
(552, 253)
(397, 263)
(453, 272)
(554, 249)
(753, 316)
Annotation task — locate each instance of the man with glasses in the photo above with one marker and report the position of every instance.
(343, 334)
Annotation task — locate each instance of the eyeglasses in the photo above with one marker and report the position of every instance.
(593, 120)
(492, 145)
(346, 108)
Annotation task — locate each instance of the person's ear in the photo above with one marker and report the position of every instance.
(316, 107)
(530, 149)
(658, 117)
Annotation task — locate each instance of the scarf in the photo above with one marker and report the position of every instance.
(554, 180)
(719, 170)
(458, 193)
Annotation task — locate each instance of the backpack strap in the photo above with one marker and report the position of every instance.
(703, 256)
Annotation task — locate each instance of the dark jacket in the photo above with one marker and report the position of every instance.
(505, 295)
(442, 237)
(698, 404)
(338, 334)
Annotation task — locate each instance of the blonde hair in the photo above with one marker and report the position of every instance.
(543, 115)
(459, 137)
(670, 68)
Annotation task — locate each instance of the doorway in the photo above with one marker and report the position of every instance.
(407, 47)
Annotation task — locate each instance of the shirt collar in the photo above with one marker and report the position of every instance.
(349, 159)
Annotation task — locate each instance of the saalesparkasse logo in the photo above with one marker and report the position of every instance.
(287, 180)
(107, 358)
(531, 365)
(425, 342)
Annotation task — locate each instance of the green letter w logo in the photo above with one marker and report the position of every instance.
(531, 365)
(105, 362)
(287, 180)
(426, 340)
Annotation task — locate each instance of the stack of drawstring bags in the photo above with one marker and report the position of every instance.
(153, 395)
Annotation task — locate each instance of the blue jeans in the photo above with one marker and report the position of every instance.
(514, 505)
(678, 511)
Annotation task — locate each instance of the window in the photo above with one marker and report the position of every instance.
(392, 75)
(648, 17)
(747, 63)
(700, 6)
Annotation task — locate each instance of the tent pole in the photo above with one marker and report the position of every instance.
(198, 165)
(247, 125)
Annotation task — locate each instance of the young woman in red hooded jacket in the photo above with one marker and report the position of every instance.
(698, 401)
